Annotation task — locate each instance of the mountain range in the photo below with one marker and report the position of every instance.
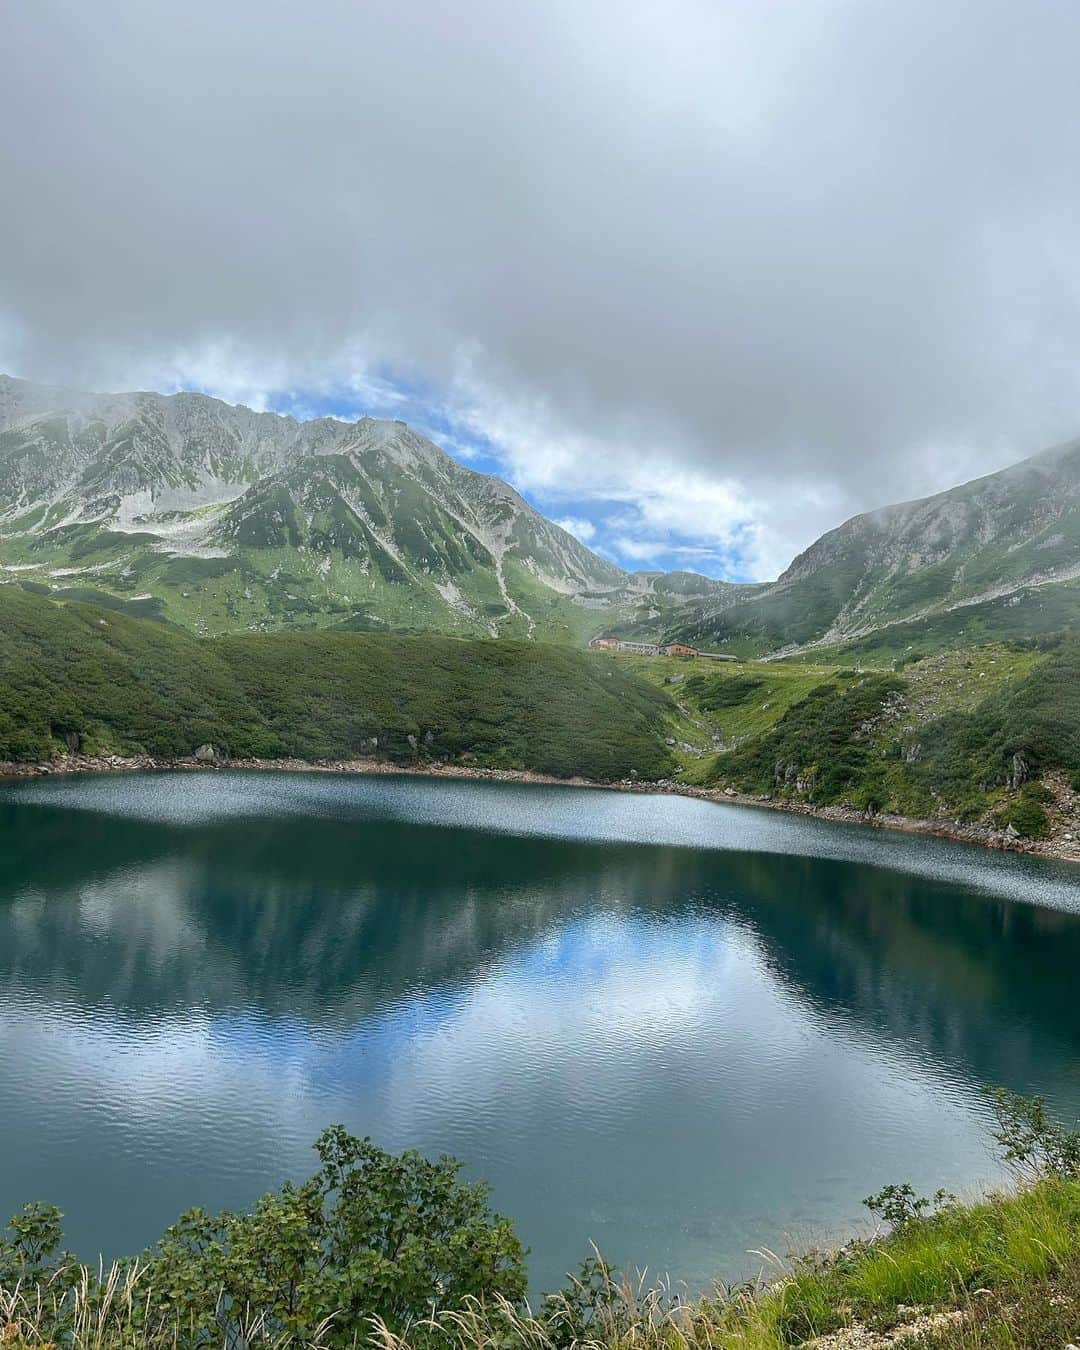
(996, 557)
(222, 519)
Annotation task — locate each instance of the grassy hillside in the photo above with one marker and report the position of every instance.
(1032, 613)
(988, 734)
(80, 675)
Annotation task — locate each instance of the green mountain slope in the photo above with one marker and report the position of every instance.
(78, 675)
(227, 520)
(976, 563)
(987, 735)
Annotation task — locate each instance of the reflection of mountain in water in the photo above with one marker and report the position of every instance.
(331, 919)
(974, 980)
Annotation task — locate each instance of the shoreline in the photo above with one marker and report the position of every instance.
(985, 837)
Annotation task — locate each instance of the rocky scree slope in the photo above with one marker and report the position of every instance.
(223, 519)
(995, 558)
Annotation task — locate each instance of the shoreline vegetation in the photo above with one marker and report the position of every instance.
(981, 746)
(982, 835)
(378, 1251)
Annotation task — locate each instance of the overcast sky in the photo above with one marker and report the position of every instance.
(702, 279)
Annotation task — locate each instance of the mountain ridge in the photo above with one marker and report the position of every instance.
(223, 519)
(367, 523)
(989, 543)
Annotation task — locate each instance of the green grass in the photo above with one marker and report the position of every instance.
(129, 686)
(1000, 1271)
(989, 734)
(1005, 1246)
(1037, 612)
(728, 702)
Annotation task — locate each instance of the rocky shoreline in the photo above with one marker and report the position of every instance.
(1057, 846)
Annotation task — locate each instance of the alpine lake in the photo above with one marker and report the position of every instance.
(684, 1032)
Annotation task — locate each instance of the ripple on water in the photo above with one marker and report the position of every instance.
(683, 1031)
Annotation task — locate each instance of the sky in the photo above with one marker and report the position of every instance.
(702, 278)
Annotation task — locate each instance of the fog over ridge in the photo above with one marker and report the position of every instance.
(697, 278)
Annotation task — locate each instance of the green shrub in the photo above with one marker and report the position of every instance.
(822, 740)
(370, 1235)
(1025, 813)
(397, 1252)
(72, 670)
(1029, 1140)
(713, 695)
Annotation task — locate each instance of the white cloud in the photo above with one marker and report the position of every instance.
(579, 527)
(640, 550)
(712, 260)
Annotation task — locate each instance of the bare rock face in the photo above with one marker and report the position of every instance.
(200, 490)
(1020, 770)
(206, 754)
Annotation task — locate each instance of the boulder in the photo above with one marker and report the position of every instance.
(206, 754)
(1020, 770)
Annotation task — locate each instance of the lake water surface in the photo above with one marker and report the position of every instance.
(679, 1030)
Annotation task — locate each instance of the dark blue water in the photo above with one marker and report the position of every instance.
(682, 1031)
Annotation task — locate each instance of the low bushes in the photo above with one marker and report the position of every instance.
(76, 675)
(398, 1252)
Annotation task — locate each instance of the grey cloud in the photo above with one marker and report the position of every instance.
(830, 245)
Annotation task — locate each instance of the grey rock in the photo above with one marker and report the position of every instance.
(1020, 770)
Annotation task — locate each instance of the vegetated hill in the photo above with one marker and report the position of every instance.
(77, 675)
(226, 520)
(987, 735)
(994, 558)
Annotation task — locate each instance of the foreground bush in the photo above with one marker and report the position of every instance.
(397, 1252)
(370, 1236)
